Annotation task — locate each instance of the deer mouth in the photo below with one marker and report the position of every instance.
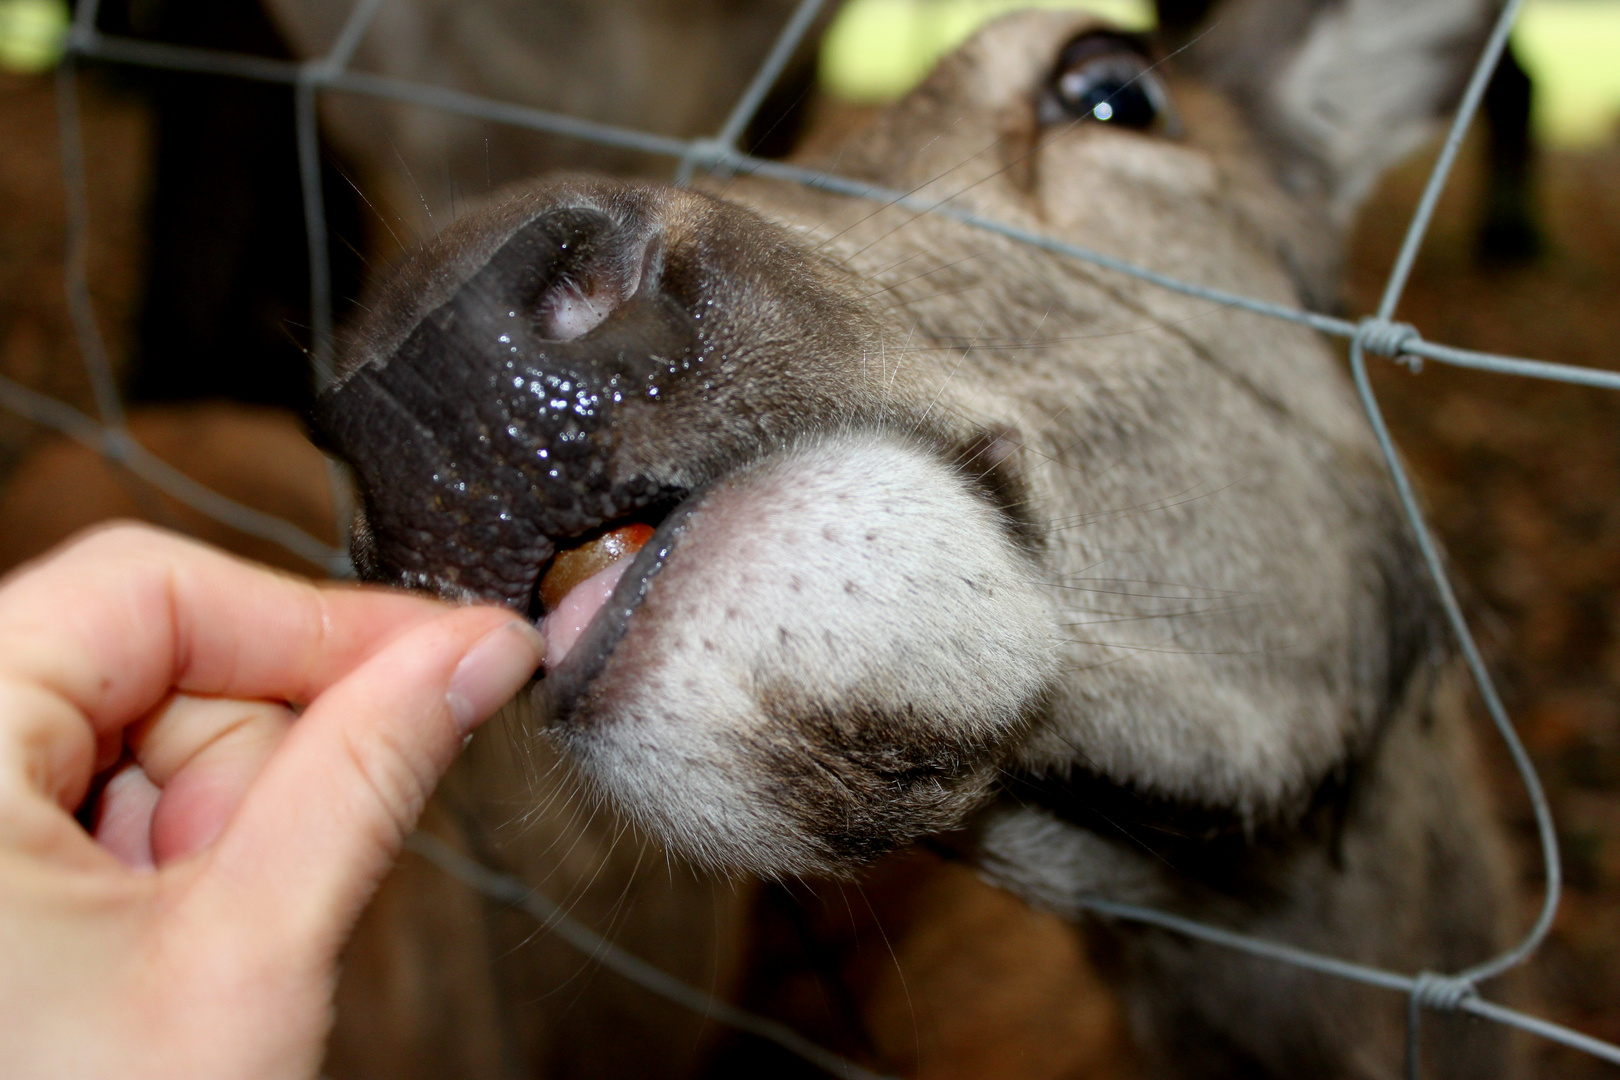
(588, 613)
(578, 580)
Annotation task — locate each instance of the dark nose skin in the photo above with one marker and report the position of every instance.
(480, 442)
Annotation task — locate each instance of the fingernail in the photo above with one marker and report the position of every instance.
(494, 669)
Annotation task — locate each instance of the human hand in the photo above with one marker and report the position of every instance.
(281, 739)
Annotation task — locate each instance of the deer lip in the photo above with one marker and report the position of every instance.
(595, 614)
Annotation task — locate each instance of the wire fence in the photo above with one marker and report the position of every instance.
(1376, 334)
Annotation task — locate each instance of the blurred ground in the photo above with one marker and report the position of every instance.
(36, 337)
(1523, 480)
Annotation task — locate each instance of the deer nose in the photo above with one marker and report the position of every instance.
(487, 434)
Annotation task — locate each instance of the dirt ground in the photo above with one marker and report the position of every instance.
(1523, 477)
(36, 340)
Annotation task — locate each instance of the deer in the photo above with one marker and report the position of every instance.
(944, 542)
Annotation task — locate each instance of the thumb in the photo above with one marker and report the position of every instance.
(321, 825)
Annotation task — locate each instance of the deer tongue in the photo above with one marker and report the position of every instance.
(564, 625)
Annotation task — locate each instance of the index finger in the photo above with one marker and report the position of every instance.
(109, 625)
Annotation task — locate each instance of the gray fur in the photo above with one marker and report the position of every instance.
(1105, 582)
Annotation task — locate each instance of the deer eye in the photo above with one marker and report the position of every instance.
(1103, 77)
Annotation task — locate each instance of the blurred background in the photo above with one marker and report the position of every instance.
(199, 277)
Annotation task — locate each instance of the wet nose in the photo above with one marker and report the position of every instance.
(486, 436)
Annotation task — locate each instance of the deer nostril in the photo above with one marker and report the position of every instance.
(486, 436)
(569, 311)
(605, 273)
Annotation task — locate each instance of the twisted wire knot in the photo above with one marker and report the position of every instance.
(117, 445)
(1445, 992)
(1389, 339)
(713, 154)
(319, 71)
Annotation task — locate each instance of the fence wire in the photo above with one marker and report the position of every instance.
(1377, 334)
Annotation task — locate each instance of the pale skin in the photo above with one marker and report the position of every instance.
(271, 743)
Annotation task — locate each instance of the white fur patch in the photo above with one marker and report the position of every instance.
(853, 569)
